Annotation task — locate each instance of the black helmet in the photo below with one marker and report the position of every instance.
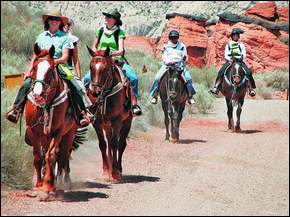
(173, 34)
(237, 31)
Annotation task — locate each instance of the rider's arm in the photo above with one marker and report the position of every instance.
(95, 44)
(76, 61)
(63, 58)
(165, 55)
(185, 56)
(28, 73)
(227, 53)
(243, 48)
(121, 50)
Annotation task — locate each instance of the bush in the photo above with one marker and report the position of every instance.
(277, 80)
(204, 100)
(205, 76)
(16, 156)
(18, 33)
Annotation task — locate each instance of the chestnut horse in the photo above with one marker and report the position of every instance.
(51, 128)
(112, 112)
(234, 88)
(173, 94)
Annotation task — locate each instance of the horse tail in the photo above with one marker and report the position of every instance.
(80, 138)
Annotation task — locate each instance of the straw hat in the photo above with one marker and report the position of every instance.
(55, 13)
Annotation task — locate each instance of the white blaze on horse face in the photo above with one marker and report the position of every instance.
(98, 65)
(41, 70)
(237, 68)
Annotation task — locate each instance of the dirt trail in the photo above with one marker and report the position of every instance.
(211, 172)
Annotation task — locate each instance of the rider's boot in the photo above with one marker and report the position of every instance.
(135, 107)
(14, 113)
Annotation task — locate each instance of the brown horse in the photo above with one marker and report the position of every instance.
(173, 94)
(51, 129)
(234, 88)
(112, 111)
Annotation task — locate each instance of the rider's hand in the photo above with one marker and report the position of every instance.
(27, 75)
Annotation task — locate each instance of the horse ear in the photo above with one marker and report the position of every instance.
(36, 49)
(107, 52)
(51, 51)
(91, 51)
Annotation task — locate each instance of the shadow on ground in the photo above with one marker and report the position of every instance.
(138, 178)
(81, 196)
(190, 141)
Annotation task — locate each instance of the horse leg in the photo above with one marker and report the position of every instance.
(103, 148)
(123, 142)
(166, 120)
(239, 111)
(50, 160)
(67, 142)
(230, 114)
(37, 160)
(180, 112)
(116, 175)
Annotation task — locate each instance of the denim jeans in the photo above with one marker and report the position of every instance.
(160, 73)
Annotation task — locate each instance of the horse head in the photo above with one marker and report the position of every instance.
(43, 75)
(174, 72)
(236, 73)
(101, 71)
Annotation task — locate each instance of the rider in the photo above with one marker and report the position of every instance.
(73, 59)
(53, 35)
(237, 50)
(173, 51)
(112, 36)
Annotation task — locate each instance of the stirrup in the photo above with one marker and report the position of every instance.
(13, 115)
(252, 93)
(191, 101)
(154, 100)
(214, 90)
(136, 110)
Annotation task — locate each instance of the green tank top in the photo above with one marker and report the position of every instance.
(109, 41)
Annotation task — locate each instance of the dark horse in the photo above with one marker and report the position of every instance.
(111, 109)
(234, 88)
(51, 130)
(173, 94)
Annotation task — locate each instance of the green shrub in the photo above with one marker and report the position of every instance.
(18, 33)
(265, 92)
(277, 80)
(16, 156)
(204, 100)
(205, 76)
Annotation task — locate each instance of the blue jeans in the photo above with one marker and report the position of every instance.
(186, 74)
(129, 73)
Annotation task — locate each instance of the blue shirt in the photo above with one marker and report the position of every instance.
(60, 40)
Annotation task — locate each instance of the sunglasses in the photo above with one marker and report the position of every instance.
(54, 18)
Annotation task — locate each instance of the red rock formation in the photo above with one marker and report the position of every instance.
(283, 13)
(265, 10)
(205, 45)
(142, 43)
(192, 33)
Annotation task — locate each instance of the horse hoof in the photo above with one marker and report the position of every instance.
(238, 130)
(43, 196)
(174, 141)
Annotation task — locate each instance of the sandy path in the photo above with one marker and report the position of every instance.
(211, 172)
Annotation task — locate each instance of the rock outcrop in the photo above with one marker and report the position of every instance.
(266, 37)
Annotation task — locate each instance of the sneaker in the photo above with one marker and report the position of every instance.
(136, 110)
(252, 93)
(214, 90)
(13, 115)
(191, 101)
(154, 100)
